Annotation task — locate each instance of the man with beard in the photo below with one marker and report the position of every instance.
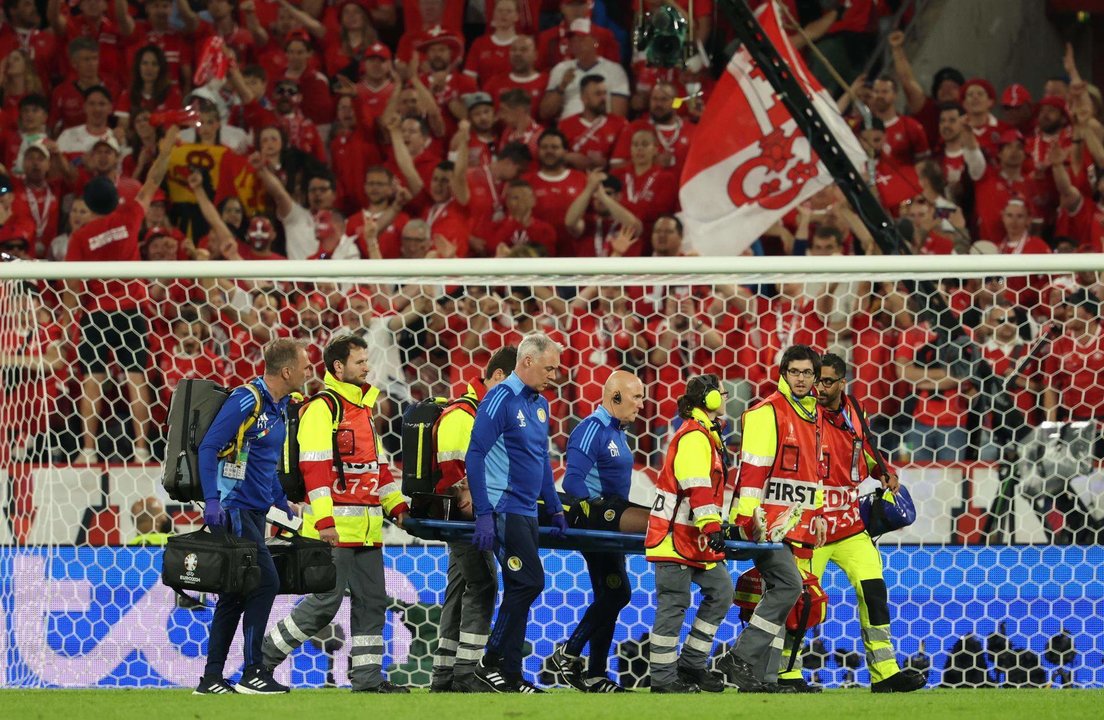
(300, 131)
(850, 458)
(999, 184)
(442, 51)
(592, 133)
(673, 134)
(483, 139)
(37, 198)
(1051, 128)
(960, 150)
(346, 511)
(906, 142)
(381, 221)
(555, 186)
(523, 74)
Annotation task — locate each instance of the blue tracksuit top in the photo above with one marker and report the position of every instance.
(598, 458)
(264, 442)
(507, 461)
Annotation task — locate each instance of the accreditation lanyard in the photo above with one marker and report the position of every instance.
(630, 185)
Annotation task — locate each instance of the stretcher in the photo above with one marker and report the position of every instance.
(579, 540)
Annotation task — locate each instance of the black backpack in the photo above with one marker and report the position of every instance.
(420, 472)
(291, 478)
(192, 409)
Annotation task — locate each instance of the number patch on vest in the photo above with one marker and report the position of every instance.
(789, 457)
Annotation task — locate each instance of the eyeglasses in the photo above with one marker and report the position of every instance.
(413, 239)
(800, 373)
(828, 382)
(286, 91)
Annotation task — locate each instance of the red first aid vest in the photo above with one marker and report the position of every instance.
(672, 514)
(845, 455)
(798, 472)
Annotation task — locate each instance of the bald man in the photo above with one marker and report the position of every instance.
(599, 474)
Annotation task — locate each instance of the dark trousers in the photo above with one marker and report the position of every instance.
(252, 608)
(610, 583)
(522, 584)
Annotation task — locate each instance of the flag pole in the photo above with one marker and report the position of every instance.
(790, 92)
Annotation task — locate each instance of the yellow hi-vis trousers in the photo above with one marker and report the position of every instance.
(860, 560)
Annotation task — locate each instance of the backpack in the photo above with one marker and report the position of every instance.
(420, 471)
(291, 477)
(192, 409)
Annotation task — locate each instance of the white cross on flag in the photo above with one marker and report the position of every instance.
(749, 164)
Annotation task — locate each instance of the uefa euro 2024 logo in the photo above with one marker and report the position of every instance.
(191, 562)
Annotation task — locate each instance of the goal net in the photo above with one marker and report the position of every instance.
(984, 385)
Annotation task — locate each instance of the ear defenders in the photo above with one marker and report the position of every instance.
(708, 389)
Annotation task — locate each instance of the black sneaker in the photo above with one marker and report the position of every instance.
(469, 684)
(571, 667)
(492, 678)
(441, 685)
(710, 682)
(604, 685)
(386, 688)
(259, 682)
(214, 686)
(678, 686)
(527, 688)
(800, 685)
(902, 682)
(773, 688)
(738, 673)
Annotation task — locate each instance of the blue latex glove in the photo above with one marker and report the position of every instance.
(282, 505)
(484, 536)
(213, 514)
(559, 525)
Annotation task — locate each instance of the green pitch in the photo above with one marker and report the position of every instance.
(556, 705)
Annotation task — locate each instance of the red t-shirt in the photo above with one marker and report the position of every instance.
(42, 206)
(674, 142)
(486, 204)
(595, 139)
(240, 39)
(649, 195)
(905, 140)
(173, 101)
(453, 221)
(991, 194)
(1085, 226)
(599, 345)
(487, 57)
(534, 85)
(455, 86)
(895, 184)
(1077, 373)
(554, 195)
(112, 237)
(357, 155)
(302, 133)
(318, 103)
(528, 137)
(175, 367)
(1025, 290)
(390, 237)
(370, 104)
(875, 373)
(937, 244)
(424, 164)
(512, 233)
(777, 325)
(946, 409)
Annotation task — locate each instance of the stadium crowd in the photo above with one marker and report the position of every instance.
(516, 128)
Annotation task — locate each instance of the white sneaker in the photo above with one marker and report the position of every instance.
(142, 454)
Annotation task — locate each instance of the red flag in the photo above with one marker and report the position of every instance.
(757, 164)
